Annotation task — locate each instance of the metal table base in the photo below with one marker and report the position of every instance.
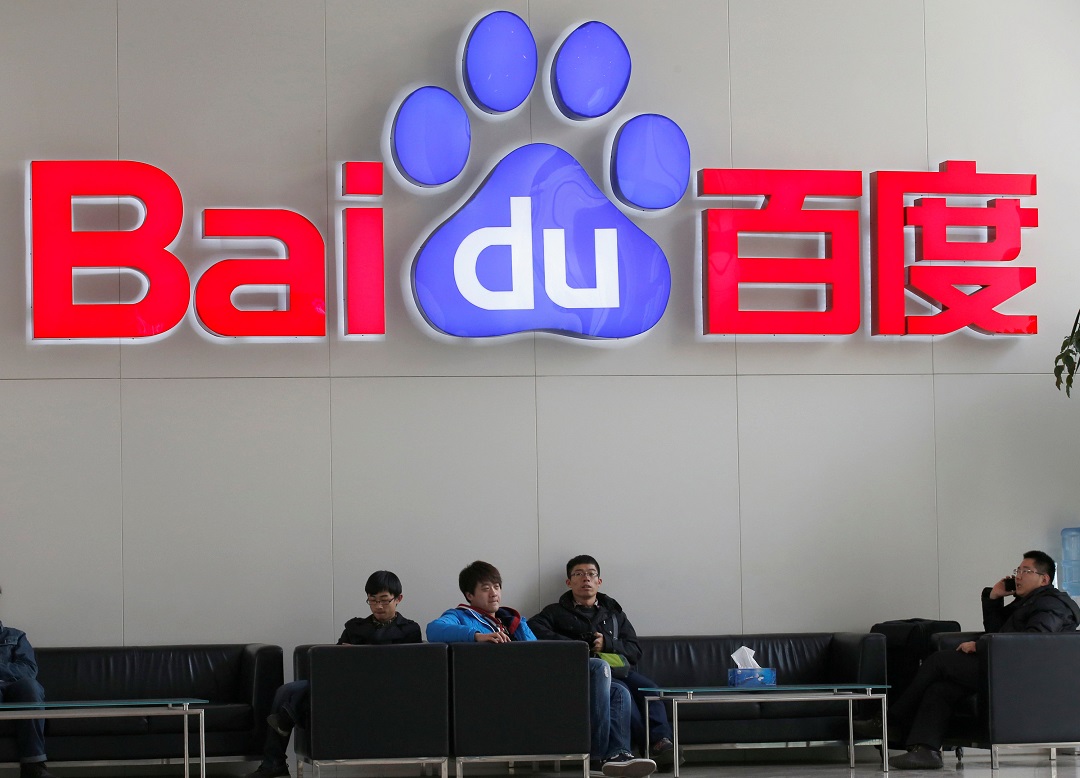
(841, 693)
(102, 710)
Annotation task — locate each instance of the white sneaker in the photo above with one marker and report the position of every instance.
(626, 765)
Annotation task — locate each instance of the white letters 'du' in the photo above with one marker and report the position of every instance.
(520, 295)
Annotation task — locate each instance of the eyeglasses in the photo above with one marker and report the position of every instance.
(1024, 571)
(380, 600)
(592, 575)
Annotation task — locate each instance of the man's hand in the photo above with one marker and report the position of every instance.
(492, 637)
(598, 642)
(968, 647)
(999, 590)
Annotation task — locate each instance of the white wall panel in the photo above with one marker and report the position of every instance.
(648, 486)
(229, 99)
(679, 71)
(429, 475)
(787, 484)
(997, 92)
(1004, 475)
(364, 91)
(57, 101)
(834, 85)
(60, 511)
(837, 488)
(227, 511)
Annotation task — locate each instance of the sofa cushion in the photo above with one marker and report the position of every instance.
(134, 672)
(703, 660)
(125, 725)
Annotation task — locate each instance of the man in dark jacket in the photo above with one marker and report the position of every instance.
(923, 711)
(18, 683)
(584, 613)
(292, 704)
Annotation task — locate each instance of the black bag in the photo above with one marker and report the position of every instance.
(907, 644)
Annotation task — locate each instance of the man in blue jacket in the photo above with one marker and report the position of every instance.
(18, 683)
(483, 619)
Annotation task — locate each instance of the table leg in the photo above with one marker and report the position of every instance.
(187, 757)
(202, 743)
(850, 734)
(674, 734)
(884, 734)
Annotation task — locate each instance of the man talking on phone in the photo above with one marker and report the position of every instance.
(922, 713)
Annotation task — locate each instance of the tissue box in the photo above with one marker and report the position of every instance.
(753, 676)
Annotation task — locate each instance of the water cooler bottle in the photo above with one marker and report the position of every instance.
(1069, 569)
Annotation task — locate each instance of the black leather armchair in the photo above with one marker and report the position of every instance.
(374, 705)
(1028, 692)
(524, 701)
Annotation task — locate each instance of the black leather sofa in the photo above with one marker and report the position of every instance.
(1027, 696)
(238, 680)
(799, 658)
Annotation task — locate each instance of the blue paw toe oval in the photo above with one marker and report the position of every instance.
(431, 136)
(590, 72)
(650, 162)
(499, 65)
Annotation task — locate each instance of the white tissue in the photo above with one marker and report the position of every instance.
(744, 659)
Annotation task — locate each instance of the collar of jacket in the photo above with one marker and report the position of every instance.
(603, 600)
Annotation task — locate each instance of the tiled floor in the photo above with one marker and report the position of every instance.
(774, 764)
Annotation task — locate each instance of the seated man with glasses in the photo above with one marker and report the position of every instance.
(384, 626)
(584, 613)
(922, 713)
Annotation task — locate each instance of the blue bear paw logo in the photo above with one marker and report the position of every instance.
(539, 246)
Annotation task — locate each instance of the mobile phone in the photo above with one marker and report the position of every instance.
(1010, 583)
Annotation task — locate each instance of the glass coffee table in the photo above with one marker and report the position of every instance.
(89, 709)
(839, 692)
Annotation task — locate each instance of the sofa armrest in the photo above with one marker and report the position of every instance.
(1018, 670)
(261, 673)
(950, 640)
(856, 657)
(377, 702)
(301, 661)
(520, 698)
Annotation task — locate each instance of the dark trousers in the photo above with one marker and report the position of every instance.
(924, 709)
(294, 699)
(659, 728)
(29, 733)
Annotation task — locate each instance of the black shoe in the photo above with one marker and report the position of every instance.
(870, 729)
(34, 770)
(663, 753)
(281, 722)
(270, 771)
(626, 765)
(917, 758)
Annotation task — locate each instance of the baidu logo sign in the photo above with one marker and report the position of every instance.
(539, 246)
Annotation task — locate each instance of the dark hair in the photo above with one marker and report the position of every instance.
(1044, 563)
(582, 559)
(383, 581)
(477, 573)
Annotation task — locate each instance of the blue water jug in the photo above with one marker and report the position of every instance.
(1069, 569)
